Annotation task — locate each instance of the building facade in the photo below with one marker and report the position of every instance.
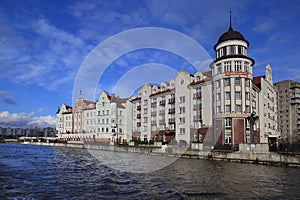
(174, 110)
(288, 103)
(107, 120)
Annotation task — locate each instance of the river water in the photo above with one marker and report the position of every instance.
(43, 172)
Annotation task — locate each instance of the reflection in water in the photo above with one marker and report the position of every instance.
(40, 172)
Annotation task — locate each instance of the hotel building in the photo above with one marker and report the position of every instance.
(226, 105)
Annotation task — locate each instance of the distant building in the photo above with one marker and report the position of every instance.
(288, 103)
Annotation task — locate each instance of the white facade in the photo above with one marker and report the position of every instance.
(173, 110)
(105, 120)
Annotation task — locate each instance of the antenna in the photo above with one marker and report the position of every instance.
(230, 18)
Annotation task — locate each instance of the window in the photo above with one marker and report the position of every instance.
(238, 108)
(145, 102)
(240, 50)
(227, 95)
(238, 95)
(107, 112)
(228, 108)
(247, 96)
(145, 110)
(224, 51)
(227, 136)
(238, 66)
(182, 131)
(218, 96)
(237, 81)
(182, 99)
(145, 119)
(246, 66)
(227, 122)
(227, 66)
(232, 49)
(218, 109)
(219, 69)
(182, 120)
(181, 110)
(227, 81)
(247, 109)
(247, 82)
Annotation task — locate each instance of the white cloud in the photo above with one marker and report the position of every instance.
(23, 120)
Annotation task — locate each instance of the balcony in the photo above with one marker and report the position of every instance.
(162, 102)
(172, 121)
(197, 106)
(139, 107)
(197, 95)
(138, 124)
(172, 101)
(171, 111)
(197, 118)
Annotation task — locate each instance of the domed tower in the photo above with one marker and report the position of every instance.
(232, 88)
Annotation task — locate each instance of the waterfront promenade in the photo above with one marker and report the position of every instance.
(248, 153)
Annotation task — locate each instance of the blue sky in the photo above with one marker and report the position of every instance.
(44, 43)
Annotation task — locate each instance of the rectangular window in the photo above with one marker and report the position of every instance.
(182, 131)
(218, 109)
(219, 69)
(218, 96)
(238, 108)
(227, 66)
(145, 119)
(145, 110)
(181, 110)
(145, 102)
(240, 50)
(238, 66)
(182, 99)
(237, 81)
(247, 109)
(224, 51)
(247, 82)
(182, 120)
(232, 49)
(228, 108)
(246, 66)
(247, 96)
(227, 95)
(227, 122)
(237, 95)
(227, 136)
(227, 81)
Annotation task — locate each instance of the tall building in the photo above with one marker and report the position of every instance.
(288, 103)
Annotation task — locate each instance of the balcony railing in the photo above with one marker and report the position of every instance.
(153, 122)
(153, 113)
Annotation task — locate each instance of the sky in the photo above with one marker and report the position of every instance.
(49, 48)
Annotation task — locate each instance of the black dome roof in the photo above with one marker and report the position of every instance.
(231, 35)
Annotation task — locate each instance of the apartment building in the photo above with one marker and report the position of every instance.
(108, 119)
(288, 103)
